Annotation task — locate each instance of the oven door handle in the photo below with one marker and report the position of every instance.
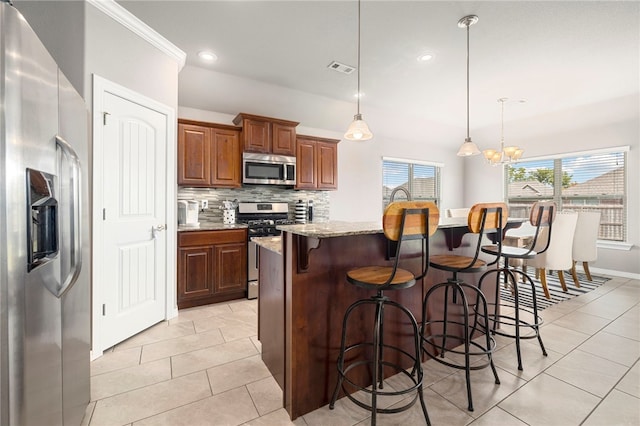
(257, 265)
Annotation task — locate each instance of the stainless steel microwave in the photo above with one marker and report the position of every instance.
(267, 169)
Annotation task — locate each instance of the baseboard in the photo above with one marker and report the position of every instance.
(613, 273)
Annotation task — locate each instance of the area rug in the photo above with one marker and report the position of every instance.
(555, 289)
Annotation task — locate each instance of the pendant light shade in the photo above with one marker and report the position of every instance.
(468, 148)
(358, 129)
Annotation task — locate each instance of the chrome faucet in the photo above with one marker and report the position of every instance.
(399, 188)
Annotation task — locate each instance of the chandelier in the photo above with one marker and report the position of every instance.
(468, 148)
(358, 129)
(505, 154)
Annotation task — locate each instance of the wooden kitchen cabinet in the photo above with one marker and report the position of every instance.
(194, 158)
(209, 155)
(317, 163)
(212, 267)
(267, 135)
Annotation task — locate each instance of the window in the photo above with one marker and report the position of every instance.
(592, 180)
(421, 179)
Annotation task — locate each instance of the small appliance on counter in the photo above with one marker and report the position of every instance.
(188, 213)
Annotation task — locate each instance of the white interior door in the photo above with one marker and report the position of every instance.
(132, 219)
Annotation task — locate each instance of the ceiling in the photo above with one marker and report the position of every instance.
(556, 55)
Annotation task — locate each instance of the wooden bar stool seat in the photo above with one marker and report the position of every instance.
(465, 307)
(403, 221)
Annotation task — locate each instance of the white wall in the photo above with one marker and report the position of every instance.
(60, 27)
(608, 124)
(117, 54)
(211, 96)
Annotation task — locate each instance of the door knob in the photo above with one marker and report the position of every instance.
(156, 229)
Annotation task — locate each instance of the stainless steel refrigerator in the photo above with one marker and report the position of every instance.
(44, 235)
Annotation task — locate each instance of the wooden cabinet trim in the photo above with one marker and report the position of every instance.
(241, 116)
(211, 125)
(200, 238)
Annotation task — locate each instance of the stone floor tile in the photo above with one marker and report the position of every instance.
(276, 418)
(588, 372)
(497, 417)
(237, 373)
(127, 379)
(485, 392)
(180, 345)
(230, 408)
(151, 400)
(612, 347)
(630, 383)
(617, 408)
(210, 357)
(548, 401)
(266, 395)
(584, 323)
(116, 360)
(157, 333)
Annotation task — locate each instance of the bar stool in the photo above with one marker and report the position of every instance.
(511, 325)
(402, 221)
(459, 320)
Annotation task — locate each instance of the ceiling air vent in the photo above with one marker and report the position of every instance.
(344, 69)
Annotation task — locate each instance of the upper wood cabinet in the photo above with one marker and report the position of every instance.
(267, 135)
(317, 163)
(194, 159)
(209, 155)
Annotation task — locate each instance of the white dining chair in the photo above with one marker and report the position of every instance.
(461, 212)
(559, 254)
(585, 248)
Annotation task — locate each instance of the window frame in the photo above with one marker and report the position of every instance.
(411, 163)
(558, 195)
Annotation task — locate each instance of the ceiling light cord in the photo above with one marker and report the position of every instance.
(502, 125)
(468, 148)
(504, 155)
(358, 94)
(468, 137)
(358, 129)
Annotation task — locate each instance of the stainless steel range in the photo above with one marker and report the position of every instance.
(261, 219)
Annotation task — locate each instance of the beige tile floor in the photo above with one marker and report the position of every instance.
(204, 368)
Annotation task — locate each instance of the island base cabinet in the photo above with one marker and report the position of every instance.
(316, 296)
(271, 307)
(212, 267)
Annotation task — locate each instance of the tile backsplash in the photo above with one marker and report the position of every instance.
(255, 193)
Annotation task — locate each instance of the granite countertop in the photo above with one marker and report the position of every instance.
(210, 226)
(333, 229)
(273, 244)
(340, 229)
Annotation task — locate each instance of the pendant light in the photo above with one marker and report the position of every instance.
(504, 155)
(358, 129)
(468, 148)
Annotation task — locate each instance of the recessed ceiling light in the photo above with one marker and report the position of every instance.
(425, 57)
(207, 56)
(358, 95)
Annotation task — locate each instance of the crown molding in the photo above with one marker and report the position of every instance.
(130, 21)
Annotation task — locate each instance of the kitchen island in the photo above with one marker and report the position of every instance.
(304, 295)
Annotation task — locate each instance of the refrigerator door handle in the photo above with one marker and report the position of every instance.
(76, 241)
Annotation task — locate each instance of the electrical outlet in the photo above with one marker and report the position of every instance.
(205, 204)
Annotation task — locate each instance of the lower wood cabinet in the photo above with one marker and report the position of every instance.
(212, 266)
